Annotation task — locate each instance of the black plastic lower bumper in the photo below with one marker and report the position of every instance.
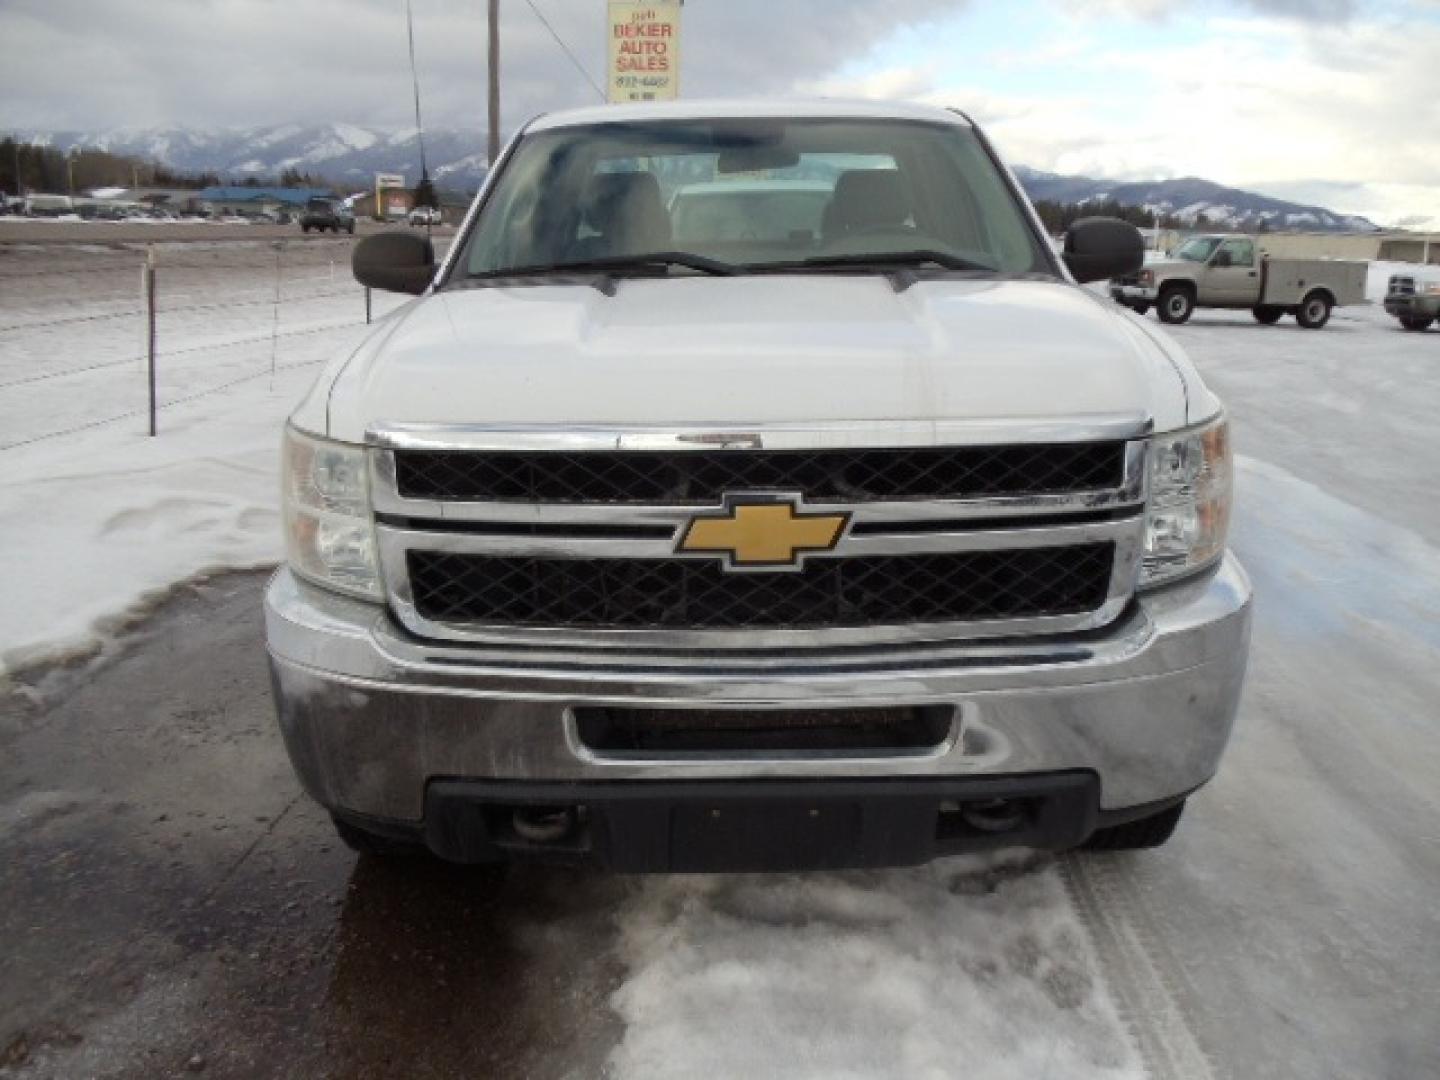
(1410, 307)
(755, 825)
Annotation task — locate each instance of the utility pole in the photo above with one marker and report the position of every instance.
(494, 81)
(70, 173)
(424, 186)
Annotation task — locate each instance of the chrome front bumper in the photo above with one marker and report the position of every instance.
(370, 716)
(1131, 293)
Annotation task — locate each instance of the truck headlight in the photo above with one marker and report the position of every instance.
(329, 538)
(1147, 277)
(1189, 510)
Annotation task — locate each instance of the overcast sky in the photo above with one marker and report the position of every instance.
(1328, 101)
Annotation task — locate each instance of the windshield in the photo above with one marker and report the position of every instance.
(1198, 249)
(751, 195)
(318, 204)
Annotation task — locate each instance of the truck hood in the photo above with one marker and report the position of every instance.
(751, 351)
(1173, 268)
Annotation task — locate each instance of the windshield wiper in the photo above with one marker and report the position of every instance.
(612, 265)
(889, 262)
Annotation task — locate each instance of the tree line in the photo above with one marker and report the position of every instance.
(26, 166)
(1058, 217)
(33, 167)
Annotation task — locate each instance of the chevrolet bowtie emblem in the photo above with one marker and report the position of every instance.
(761, 534)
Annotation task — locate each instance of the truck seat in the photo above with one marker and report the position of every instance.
(867, 199)
(626, 210)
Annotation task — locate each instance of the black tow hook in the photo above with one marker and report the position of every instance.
(543, 824)
(993, 815)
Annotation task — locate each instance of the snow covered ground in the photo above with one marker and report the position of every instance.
(99, 515)
(1289, 929)
(974, 967)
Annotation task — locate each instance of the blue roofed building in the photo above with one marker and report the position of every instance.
(233, 198)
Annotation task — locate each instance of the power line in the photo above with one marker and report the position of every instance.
(560, 41)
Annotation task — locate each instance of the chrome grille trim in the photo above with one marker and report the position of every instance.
(875, 434)
(387, 500)
(407, 530)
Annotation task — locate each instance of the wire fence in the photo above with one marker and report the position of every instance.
(86, 330)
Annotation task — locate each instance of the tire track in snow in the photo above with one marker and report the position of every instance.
(1142, 973)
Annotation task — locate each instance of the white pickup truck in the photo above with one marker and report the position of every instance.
(850, 533)
(1225, 271)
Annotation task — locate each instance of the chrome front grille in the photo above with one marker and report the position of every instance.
(704, 477)
(975, 537)
(866, 590)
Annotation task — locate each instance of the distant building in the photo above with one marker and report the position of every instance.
(235, 198)
(453, 204)
(177, 200)
(398, 203)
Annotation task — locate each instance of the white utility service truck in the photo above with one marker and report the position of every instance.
(1224, 271)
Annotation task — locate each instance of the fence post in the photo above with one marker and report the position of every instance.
(150, 330)
(367, 305)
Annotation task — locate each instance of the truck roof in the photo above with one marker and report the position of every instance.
(745, 108)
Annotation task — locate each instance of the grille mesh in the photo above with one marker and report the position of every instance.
(702, 477)
(674, 593)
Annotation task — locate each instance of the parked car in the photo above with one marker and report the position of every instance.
(1227, 271)
(1414, 298)
(425, 215)
(841, 546)
(322, 214)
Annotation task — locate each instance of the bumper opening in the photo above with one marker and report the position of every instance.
(711, 826)
(659, 731)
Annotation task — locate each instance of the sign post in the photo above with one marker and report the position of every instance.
(642, 48)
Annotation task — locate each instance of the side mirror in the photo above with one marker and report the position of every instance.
(1101, 247)
(1222, 258)
(402, 262)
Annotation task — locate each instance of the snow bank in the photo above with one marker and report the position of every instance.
(969, 967)
(98, 525)
(96, 521)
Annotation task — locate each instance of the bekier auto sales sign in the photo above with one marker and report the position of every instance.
(643, 46)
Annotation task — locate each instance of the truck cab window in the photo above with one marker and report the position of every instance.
(1240, 252)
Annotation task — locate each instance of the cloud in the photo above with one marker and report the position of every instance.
(1323, 11)
(1345, 116)
(77, 64)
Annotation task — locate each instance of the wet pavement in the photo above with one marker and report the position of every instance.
(171, 905)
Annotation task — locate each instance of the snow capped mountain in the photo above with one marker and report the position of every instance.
(349, 154)
(341, 153)
(1188, 198)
